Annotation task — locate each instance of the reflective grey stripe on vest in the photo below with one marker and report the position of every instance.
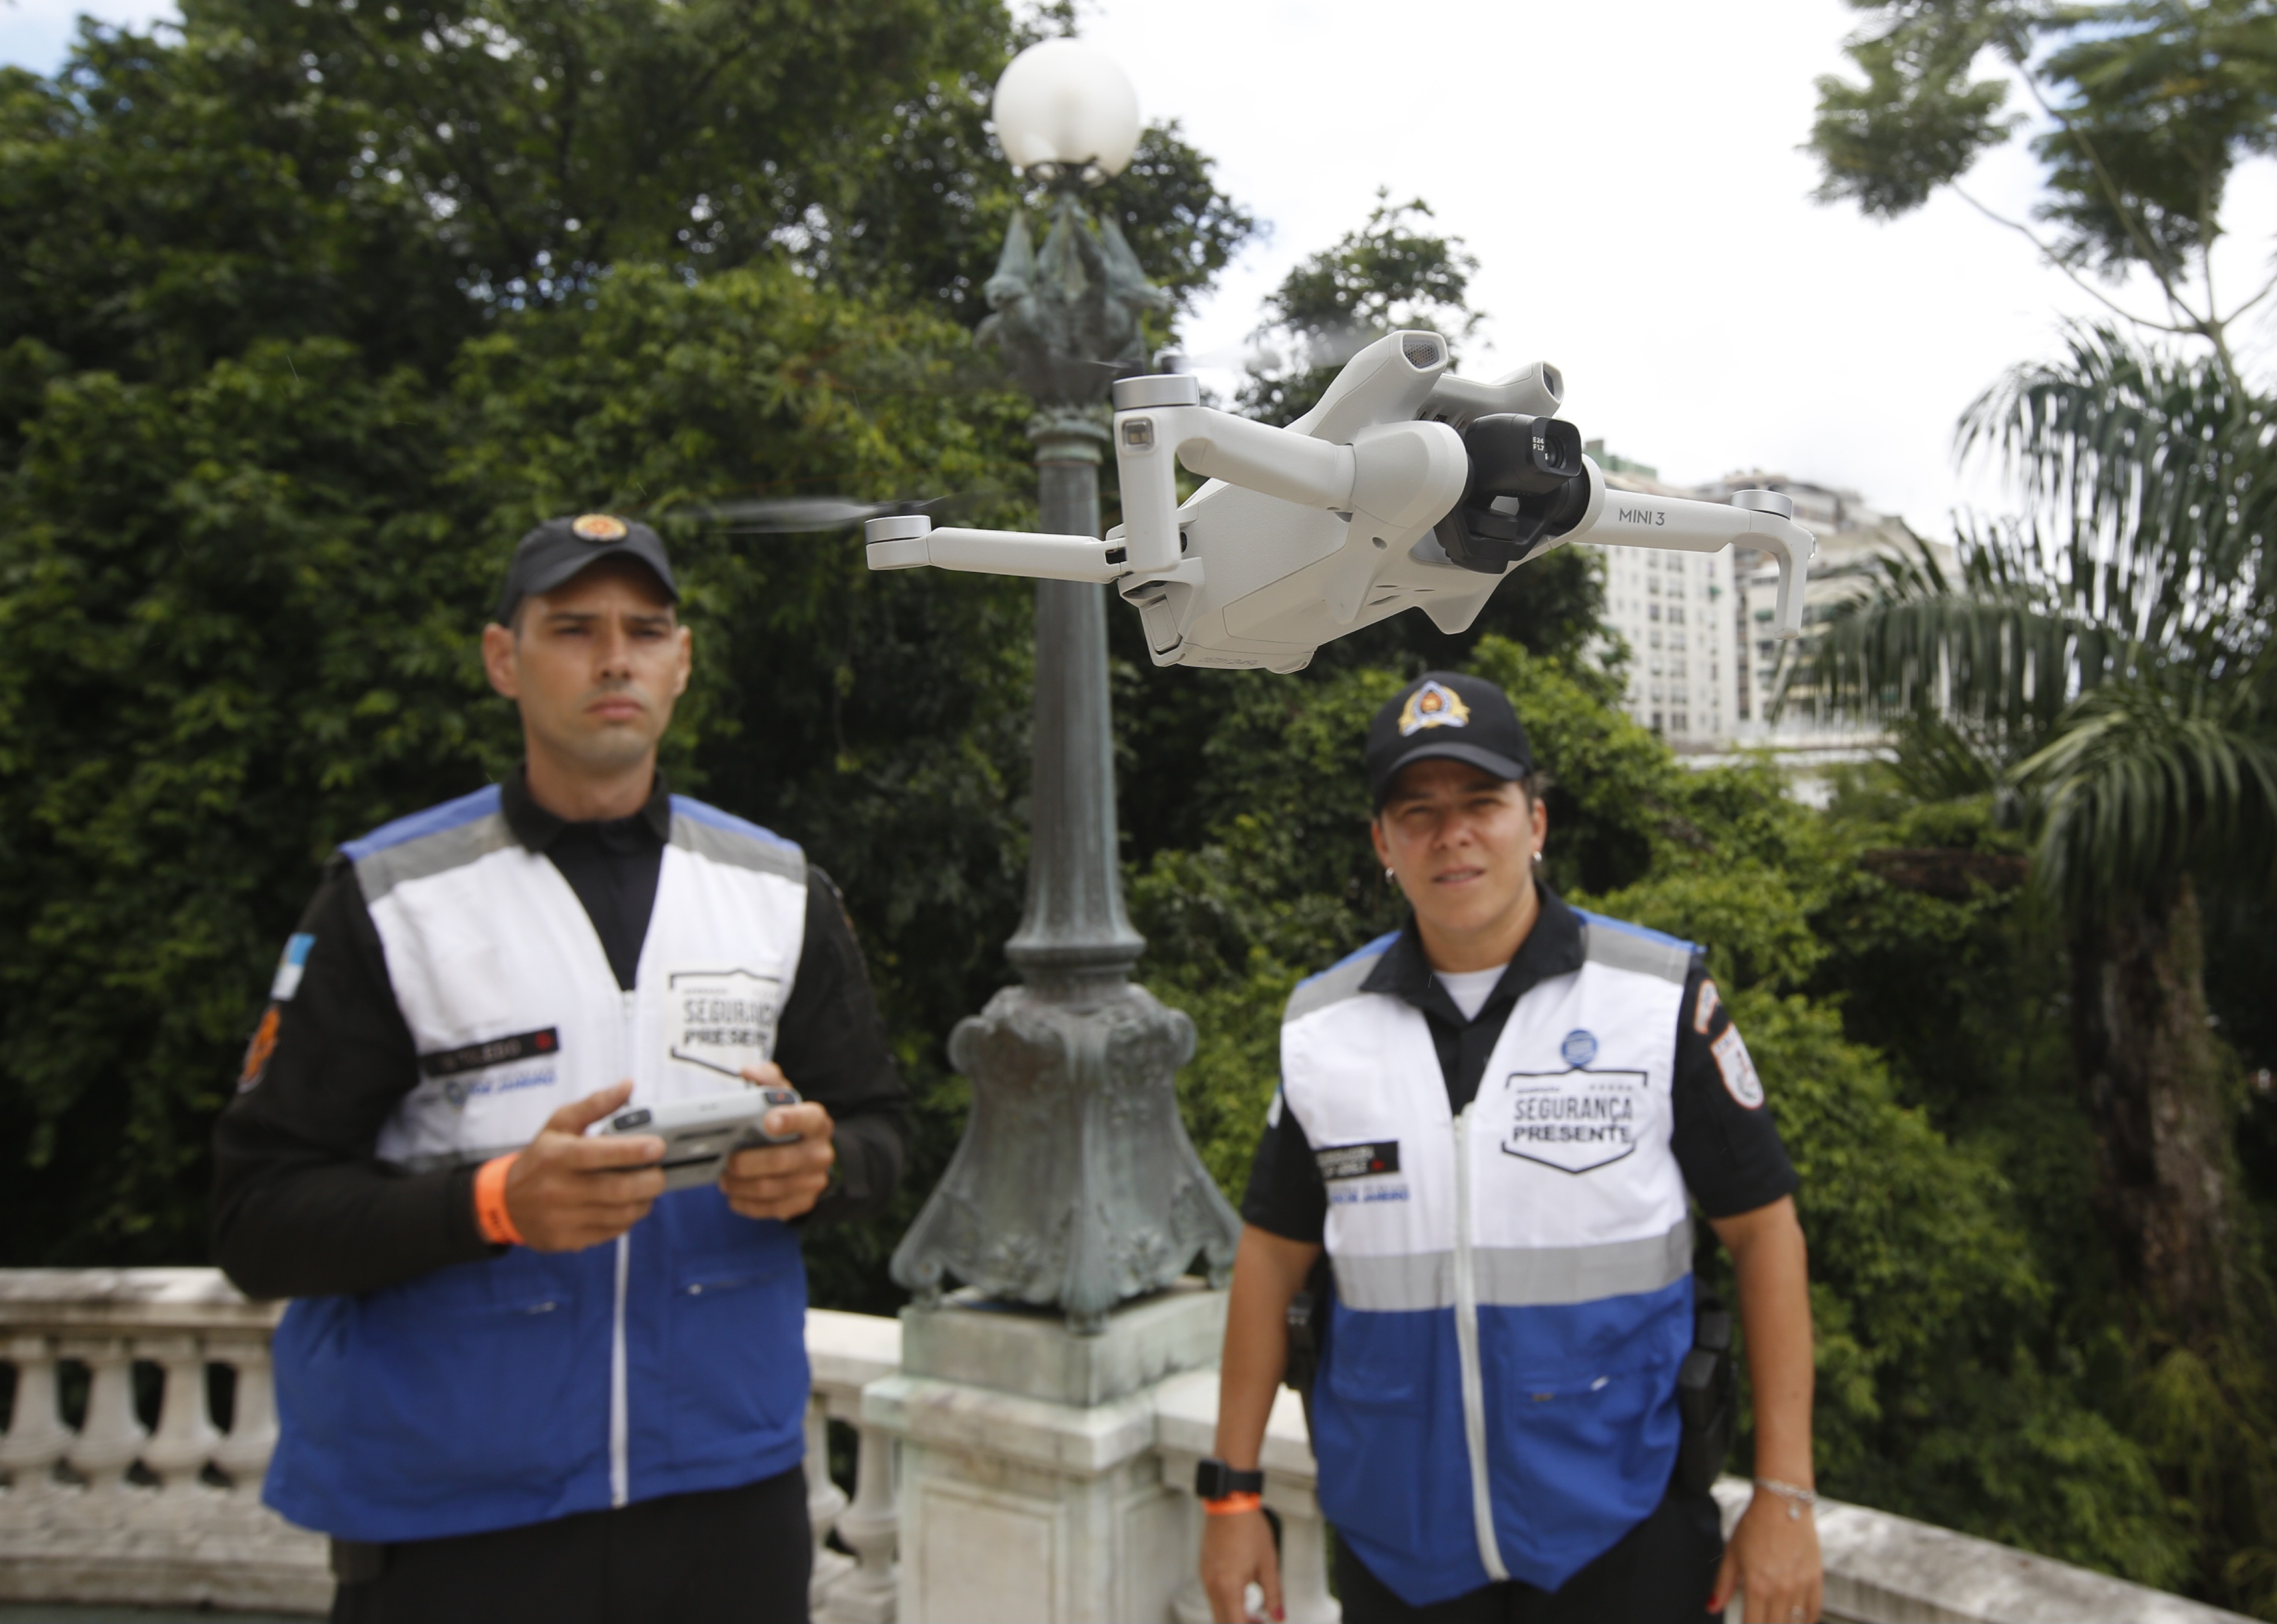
(430, 854)
(1621, 949)
(737, 850)
(1516, 1276)
(1333, 985)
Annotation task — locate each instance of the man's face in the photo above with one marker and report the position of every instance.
(595, 663)
(1460, 842)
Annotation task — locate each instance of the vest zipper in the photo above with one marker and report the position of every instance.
(620, 1410)
(1467, 1347)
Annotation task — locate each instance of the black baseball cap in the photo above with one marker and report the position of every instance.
(558, 548)
(1443, 716)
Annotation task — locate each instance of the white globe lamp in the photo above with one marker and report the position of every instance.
(1065, 108)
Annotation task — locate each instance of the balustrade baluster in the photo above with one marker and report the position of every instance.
(871, 1525)
(825, 1499)
(36, 1437)
(243, 1452)
(111, 1437)
(185, 1437)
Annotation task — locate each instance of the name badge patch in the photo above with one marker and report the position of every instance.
(497, 1052)
(1358, 1160)
(1574, 1121)
(723, 1019)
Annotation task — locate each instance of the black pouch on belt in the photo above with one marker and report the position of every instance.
(1308, 1331)
(1706, 1396)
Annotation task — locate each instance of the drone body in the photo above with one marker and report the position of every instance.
(1405, 488)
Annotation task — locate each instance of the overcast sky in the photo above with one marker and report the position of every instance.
(1626, 172)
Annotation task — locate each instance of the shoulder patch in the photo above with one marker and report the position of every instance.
(1739, 1069)
(1618, 945)
(1704, 1007)
(257, 1051)
(1339, 982)
(722, 837)
(290, 964)
(428, 843)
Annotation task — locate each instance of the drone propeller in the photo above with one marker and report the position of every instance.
(800, 516)
(1328, 346)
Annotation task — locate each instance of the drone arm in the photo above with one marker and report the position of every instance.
(1159, 423)
(906, 542)
(1534, 391)
(1632, 519)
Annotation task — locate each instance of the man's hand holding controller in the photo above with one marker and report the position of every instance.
(566, 1191)
(781, 1181)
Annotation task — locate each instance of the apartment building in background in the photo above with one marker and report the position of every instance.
(1704, 667)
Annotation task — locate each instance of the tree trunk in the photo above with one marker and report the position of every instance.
(2153, 1080)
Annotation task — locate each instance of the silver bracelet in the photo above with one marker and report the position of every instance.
(1797, 1500)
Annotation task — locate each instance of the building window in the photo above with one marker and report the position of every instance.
(1675, 615)
(1682, 723)
(1652, 611)
(1655, 721)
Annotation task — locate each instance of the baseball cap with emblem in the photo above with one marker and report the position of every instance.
(558, 548)
(1444, 716)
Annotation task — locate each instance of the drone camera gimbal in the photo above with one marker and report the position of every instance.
(1529, 485)
(1405, 487)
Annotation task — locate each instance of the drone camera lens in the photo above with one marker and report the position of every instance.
(1557, 446)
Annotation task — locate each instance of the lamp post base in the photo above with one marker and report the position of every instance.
(1075, 1183)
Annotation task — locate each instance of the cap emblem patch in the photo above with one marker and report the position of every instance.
(597, 526)
(1433, 706)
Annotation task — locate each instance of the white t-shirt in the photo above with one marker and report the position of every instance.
(1470, 988)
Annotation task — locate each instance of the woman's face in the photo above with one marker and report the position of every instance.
(1460, 842)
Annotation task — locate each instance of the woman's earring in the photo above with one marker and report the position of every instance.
(1387, 874)
(1537, 857)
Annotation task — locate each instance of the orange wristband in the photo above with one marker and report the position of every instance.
(1233, 1504)
(490, 1215)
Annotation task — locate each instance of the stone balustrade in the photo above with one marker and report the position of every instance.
(167, 1512)
(114, 1510)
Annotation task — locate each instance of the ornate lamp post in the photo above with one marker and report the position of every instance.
(1075, 1184)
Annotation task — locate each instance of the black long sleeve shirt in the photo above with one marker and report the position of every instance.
(302, 1205)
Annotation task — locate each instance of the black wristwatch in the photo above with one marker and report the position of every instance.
(1214, 1479)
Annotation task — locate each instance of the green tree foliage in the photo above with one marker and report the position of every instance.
(2110, 657)
(306, 315)
(2147, 108)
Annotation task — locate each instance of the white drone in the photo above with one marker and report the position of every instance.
(1405, 487)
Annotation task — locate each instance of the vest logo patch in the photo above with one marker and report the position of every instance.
(1579, 1048)
(497, 1052)
(723, 1019)
(1358, 1160)
(1574, 1121)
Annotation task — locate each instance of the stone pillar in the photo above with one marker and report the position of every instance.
(1031, 1487)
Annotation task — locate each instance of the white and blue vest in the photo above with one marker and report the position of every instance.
(528, 1387)
(1513, 1284)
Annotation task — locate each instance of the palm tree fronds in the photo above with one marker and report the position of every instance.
(2141, 786)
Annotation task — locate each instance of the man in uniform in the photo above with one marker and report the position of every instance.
(520, 1380)
(1495, 1121)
